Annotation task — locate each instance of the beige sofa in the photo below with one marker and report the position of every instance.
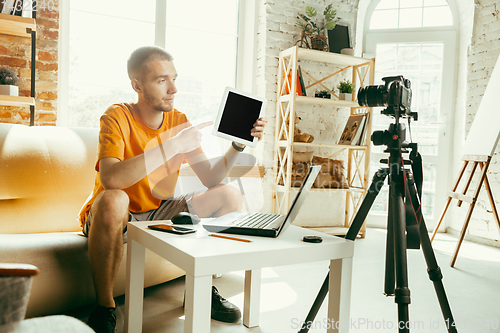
(46, 173)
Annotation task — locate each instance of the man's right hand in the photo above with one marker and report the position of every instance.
(189, 138)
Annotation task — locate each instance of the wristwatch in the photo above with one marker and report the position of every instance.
(237, 147)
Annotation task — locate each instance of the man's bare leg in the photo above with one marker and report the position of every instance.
(110, 216)
(217, 201)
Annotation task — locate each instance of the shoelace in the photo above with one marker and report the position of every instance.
(216, 293)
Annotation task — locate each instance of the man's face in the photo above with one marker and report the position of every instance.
(158, 85)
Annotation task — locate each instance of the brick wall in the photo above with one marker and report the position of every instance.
(277, 32)
(16, 53)
(480, 41)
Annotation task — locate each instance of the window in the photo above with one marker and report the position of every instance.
(204, 49)
(393, 14)
(422, 64)
(102, 34)
(101, 37)
(424, 53)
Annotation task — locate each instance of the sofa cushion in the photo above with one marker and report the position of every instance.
(65, 279)
(52, 324)
(46, 173)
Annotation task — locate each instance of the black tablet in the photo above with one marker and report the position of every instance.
(237, 115)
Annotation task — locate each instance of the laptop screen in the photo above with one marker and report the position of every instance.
(301, 196)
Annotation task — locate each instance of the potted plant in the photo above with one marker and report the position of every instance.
(8, 81)
(346, 88)
(315, 31)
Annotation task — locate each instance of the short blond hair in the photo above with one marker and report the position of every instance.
(141, 56)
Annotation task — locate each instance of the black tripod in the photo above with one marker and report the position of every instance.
(405, 227)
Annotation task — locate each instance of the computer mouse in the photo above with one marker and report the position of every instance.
(185, 218)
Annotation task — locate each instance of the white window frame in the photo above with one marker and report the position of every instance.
(246, 49)
(448, 36)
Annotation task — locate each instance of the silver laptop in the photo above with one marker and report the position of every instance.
(263, 224)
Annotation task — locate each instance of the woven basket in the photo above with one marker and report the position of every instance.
(312, 41)
(319, 42)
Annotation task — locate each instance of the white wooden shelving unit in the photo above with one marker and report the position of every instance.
(357, 162)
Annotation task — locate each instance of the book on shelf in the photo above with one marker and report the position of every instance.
(301, 80)
(364, 130)
(354, 130)
(289, 84)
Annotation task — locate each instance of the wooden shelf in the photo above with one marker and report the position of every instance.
(255, 171)
(16, 25)
(282, 188)
(331, 57)
(21, 27)
(6, 100)
(328, 57)
(283, 143)
(320, 101)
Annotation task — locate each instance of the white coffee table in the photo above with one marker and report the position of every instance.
(201, 256)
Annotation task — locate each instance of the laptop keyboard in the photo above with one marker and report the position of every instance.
(256, 220)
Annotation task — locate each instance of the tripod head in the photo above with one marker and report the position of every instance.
(396, 95)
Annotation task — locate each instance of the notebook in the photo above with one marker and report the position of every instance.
(263, 224)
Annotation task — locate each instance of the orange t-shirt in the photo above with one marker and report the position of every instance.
(124, 135)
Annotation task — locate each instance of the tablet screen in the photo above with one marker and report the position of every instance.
(239, 114)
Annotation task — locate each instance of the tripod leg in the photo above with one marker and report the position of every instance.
(432, 266)
(390, 271)
(398, 215)
(316, 305)
(373, 191)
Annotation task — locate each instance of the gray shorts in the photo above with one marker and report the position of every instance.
(167, 209)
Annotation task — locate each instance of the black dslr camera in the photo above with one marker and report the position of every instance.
(395, 94)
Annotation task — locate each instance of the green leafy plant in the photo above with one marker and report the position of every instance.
(346, 87)
(308, 24)
(8, 76)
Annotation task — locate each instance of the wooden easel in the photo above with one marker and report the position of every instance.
(483, 161)
(478, 150)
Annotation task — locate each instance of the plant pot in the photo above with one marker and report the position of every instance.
(345, 97)
(9, 90)
(319, 42)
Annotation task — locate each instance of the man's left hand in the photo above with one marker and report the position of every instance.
(258, 128)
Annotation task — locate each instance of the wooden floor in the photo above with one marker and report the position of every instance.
(473, 290)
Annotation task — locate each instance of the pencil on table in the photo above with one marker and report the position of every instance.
(231, 238)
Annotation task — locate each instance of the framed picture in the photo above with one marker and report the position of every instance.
(338, 38)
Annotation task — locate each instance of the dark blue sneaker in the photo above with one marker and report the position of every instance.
(222, 309)
(102, 319)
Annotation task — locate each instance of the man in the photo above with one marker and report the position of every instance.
(141, 148)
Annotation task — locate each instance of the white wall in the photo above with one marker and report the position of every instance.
(479, 50)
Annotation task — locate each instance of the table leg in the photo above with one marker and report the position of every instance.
(134, 286)
(251, 306)
(339, 302)
(198, 304)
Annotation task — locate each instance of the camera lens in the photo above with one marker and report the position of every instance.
(372, 96)
(381, 138)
